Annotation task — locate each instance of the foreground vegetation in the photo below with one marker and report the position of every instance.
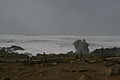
(70, 66)
(68, 69)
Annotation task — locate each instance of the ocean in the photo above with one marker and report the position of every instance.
(56, 43)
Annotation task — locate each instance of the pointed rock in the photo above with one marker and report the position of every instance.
(81, 46)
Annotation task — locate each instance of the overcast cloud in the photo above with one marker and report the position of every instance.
(81, 17)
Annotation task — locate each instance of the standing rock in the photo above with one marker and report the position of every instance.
(81, 46)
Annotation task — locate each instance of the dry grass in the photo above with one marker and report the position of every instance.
(55, 71)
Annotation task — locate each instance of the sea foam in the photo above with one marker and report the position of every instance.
(56, 43)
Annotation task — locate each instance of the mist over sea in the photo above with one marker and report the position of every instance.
(56, 43)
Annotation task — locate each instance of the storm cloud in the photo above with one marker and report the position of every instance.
(70, 17)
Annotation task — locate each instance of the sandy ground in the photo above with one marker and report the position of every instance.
(55, 71)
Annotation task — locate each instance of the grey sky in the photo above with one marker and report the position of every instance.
(81, 17)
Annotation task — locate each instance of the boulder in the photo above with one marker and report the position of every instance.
(81, 46)
(15, 48)
(10, 49)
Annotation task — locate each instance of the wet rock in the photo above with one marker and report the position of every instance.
(105, 52)
(15, 48)
(5, 50)
(70, 53)
(10, 49)
(81, 46)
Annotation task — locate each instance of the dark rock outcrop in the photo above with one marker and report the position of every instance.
(81, 46)
(107, 52)
(8, 54)
(70, 53)
(12, 57)
(10, 49)
(15, 48)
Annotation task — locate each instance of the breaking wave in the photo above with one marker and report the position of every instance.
(56, 44)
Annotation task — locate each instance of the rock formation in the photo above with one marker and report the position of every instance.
(10, 49)
(81, 46)
(106, 52)
(15, 48)
(8, 54)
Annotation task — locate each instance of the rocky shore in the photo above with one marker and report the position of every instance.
(100, 64)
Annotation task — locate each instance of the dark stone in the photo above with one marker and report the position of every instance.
(15, 48)
(107, 52)
(70, 53)
(10, 49)
(81, 46)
